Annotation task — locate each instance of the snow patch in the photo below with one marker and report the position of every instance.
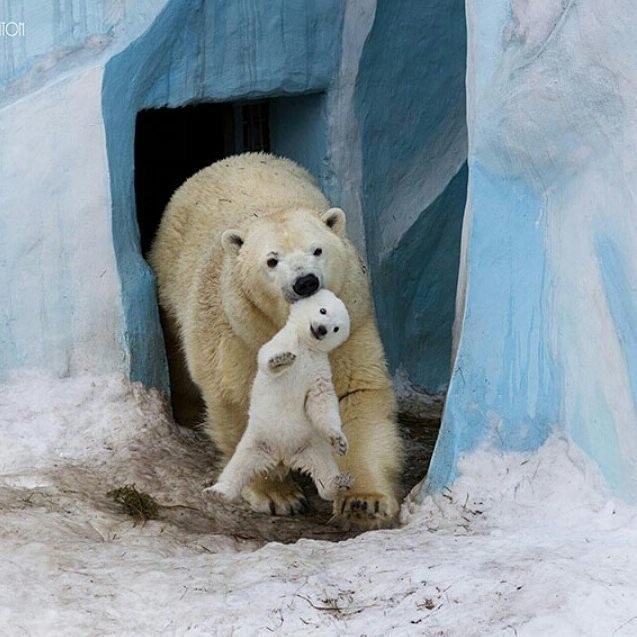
(524, 544)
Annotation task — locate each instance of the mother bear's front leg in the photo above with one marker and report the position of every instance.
(373, 459)
(368, 412)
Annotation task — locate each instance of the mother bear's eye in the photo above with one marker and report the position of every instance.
(272, 262)
(336, 329)
(318, 252)
(323, 310)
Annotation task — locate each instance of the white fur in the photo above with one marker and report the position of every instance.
(294, 417)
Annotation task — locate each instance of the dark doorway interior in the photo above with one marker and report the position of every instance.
(171, 144)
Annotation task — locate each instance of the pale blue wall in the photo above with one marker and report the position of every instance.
(61, 35)
(60, 305)
(505, 382)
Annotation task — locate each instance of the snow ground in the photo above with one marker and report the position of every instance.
(524, 544)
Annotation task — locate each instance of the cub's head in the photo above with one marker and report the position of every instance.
(286, 256)
(321, 321)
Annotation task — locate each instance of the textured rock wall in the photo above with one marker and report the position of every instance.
(547, 308)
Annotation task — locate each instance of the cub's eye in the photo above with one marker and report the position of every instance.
(318, 252)
(272, 262)
(323, 310)
(336, 329)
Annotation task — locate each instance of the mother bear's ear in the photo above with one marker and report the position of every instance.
(334, 218)
(231, 240)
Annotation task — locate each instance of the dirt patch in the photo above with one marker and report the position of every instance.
(184, 507)
(171, 465)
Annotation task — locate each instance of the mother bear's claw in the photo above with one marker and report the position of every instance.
(367, 511)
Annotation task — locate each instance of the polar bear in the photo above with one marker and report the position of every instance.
(293, 418)
(238, 243)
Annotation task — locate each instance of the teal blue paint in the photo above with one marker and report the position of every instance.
(410, 92)
(505, 385)
(303, 118)
(199, 51)
(411, 75)
(422, 275)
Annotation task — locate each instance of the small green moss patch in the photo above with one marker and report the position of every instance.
(137, 504)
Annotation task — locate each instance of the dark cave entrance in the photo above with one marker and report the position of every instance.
(172, 144)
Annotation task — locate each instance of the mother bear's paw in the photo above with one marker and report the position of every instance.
(366, 510)
(275, 496)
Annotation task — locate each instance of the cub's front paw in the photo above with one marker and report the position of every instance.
(280, 361)
(339, 442)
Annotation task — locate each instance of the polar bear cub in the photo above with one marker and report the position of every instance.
(294, 418)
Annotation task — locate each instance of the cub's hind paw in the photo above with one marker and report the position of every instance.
(336, 486)
(219, 494)
(280, 361)
(343, 481)
(339, 442)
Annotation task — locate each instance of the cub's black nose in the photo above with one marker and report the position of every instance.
(322, 330)
(306, 285)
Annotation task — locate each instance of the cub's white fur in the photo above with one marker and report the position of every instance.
(294, 417)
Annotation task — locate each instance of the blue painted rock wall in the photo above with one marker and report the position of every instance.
(547, 325)
(55, 37)
(207, 51)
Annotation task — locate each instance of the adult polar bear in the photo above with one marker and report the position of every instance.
(239, 241)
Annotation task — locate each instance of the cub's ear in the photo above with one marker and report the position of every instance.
(334, 218)
(231, 240)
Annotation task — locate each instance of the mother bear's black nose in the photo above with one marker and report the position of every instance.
(306, 285)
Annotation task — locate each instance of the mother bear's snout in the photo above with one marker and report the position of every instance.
(306, 285)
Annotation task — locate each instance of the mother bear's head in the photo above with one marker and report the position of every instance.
(281, 257)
